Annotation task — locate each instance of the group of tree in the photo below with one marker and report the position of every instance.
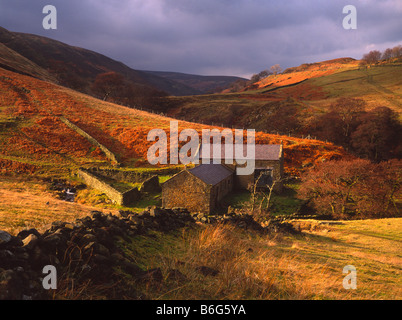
(275, 69)
(375, 56)
(368, 185)
(373, 134)
(114, 87)
(353, 189)
(241, 84)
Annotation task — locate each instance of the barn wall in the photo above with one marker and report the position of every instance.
(186, 191)
(219, 191)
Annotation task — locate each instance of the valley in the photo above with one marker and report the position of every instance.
(257, 244)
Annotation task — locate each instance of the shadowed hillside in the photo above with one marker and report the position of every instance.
(203, 84)
(76, 67)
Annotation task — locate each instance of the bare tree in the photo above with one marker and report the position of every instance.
(387, 54)
(275, 69)
(348, 109)
(372, 57)
(255, 78)
(264, 73)
(264, 193)
(107, 84)
(397, 51)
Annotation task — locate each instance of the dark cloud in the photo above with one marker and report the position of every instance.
(235, 37)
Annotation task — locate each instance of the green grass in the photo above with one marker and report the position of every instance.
(379, 84)
(146, 201)
(146, 249)
(164, 178)
(123, 186)
(285, 203)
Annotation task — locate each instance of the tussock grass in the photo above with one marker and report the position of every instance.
(251, 266)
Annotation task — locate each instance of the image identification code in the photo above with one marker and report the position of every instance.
(219, 309)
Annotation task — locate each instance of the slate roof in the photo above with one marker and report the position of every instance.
(211, 173)
(262, 152)
(268, 151)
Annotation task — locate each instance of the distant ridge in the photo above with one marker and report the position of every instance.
(202, 84)
(77, 68)
(72, 66)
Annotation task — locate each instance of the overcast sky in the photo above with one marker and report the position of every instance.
(213, 37)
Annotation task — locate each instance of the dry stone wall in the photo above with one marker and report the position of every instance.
(120, 198)
(109, 154)
(132, 175)
(86, 251)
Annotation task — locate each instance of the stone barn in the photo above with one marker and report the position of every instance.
(268, 164)
(199, 189)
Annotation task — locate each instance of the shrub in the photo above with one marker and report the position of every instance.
(354, 189)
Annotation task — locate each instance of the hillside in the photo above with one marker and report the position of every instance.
(76, 67)
(106, 251)
(33, 136)
(11, 60)
(319, 84)
(307, 90)
(203, 84)
(306, 71)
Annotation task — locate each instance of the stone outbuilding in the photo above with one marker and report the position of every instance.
(268, 161)
(199, 189)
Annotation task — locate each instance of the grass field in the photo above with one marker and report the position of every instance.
(252, 266)
(28, 203)
(281, 204)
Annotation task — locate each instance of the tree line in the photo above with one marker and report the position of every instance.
(372, 134)
(375, 56)
(369, 185)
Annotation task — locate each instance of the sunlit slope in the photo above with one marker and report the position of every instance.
(377, 85)
(33, 138)
(307, 71)
(309, 91)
